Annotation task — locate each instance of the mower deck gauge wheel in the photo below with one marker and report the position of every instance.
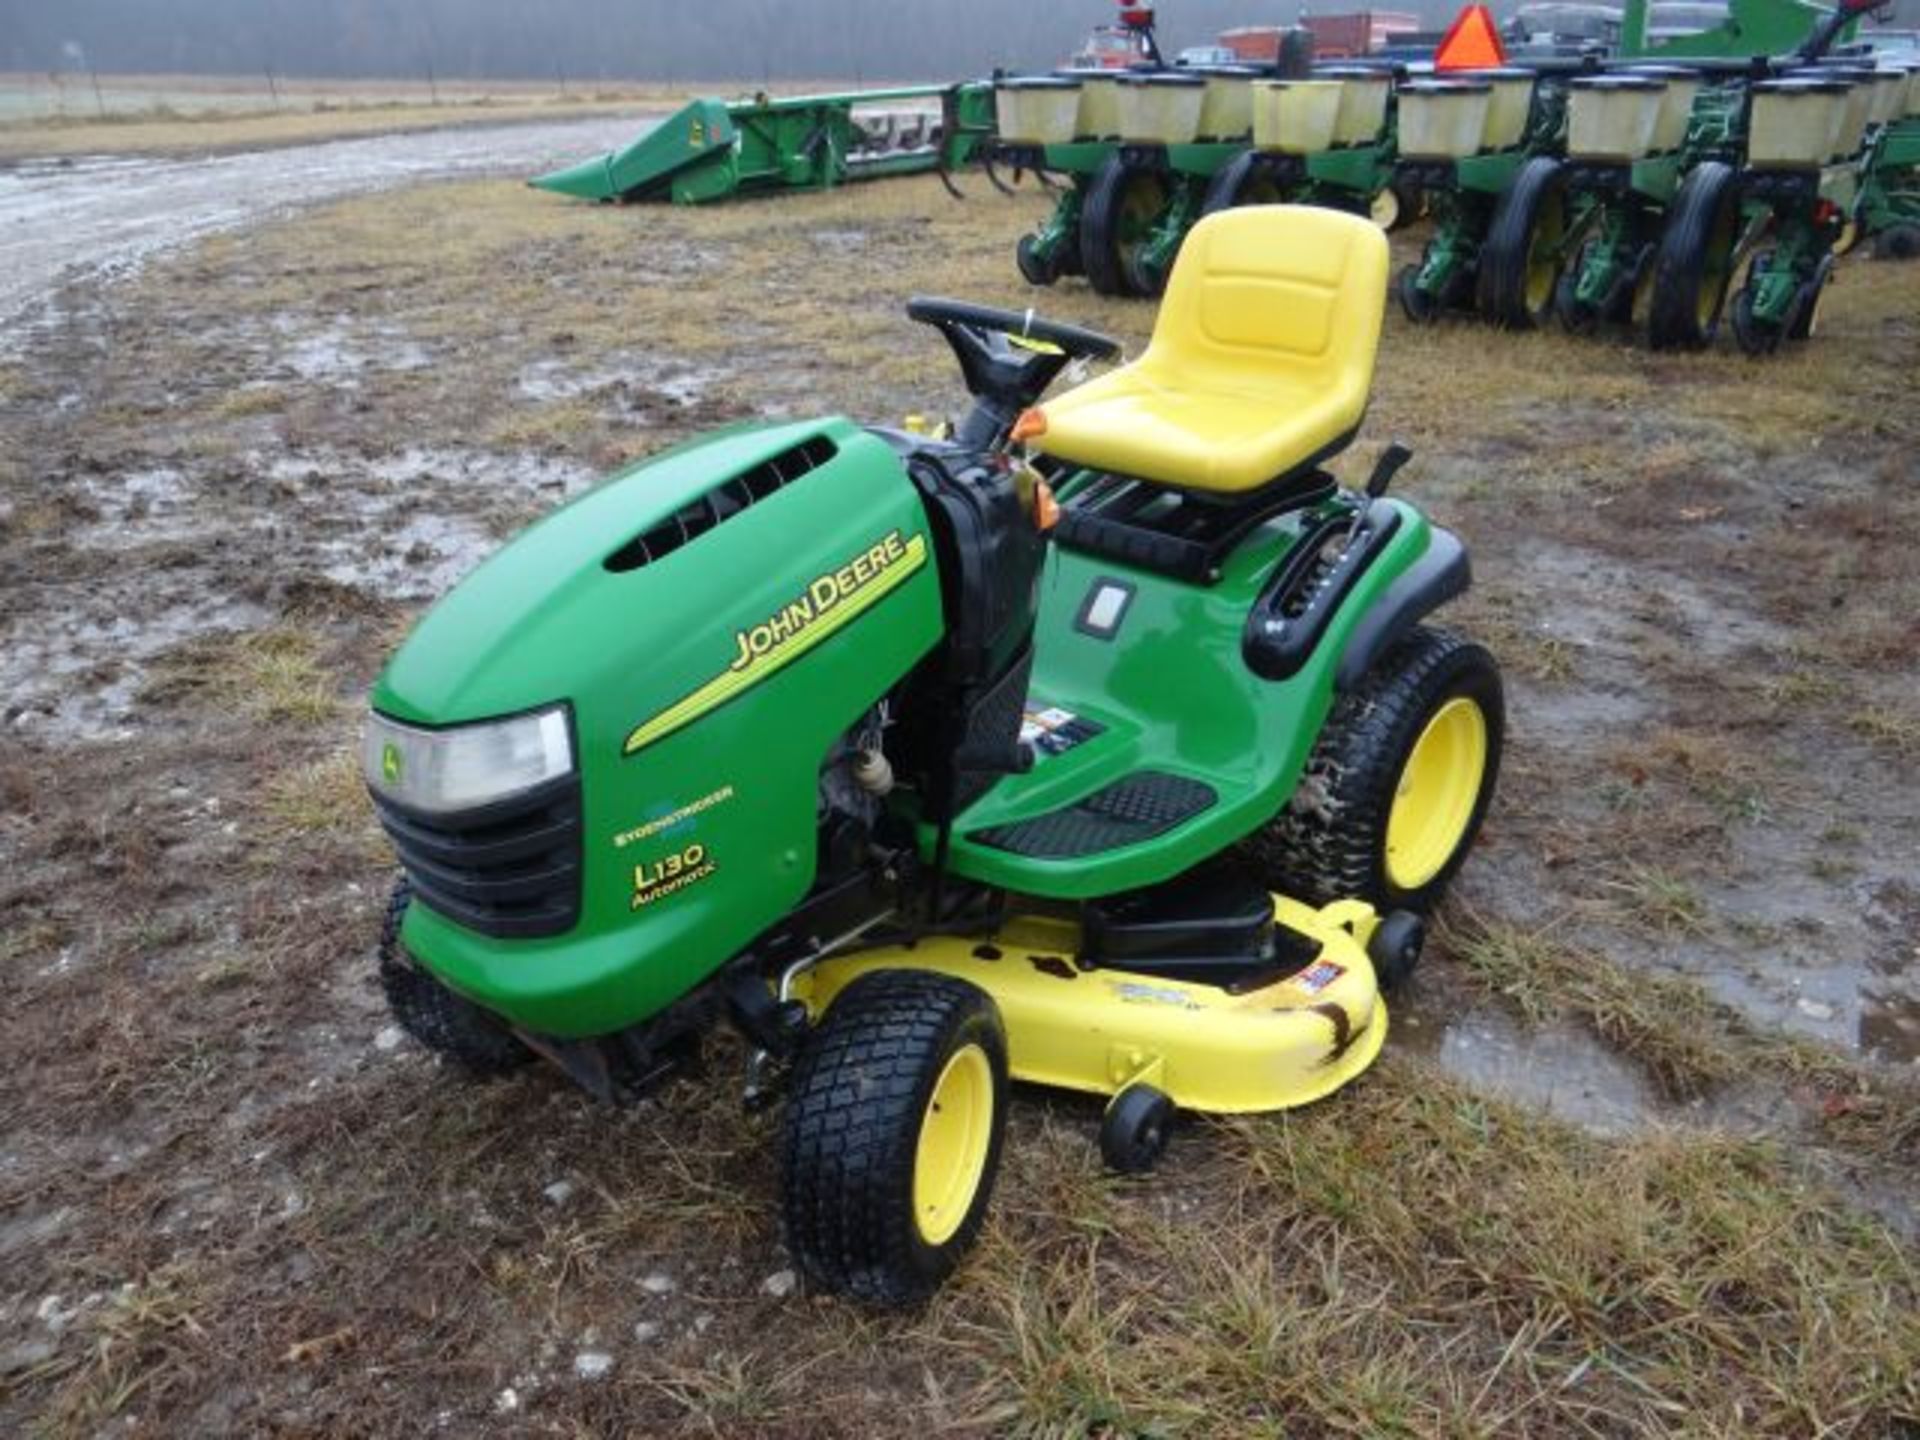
(1135, 1131)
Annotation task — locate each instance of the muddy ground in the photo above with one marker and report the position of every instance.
(1639, 1156)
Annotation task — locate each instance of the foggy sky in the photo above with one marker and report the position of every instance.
(604, 39)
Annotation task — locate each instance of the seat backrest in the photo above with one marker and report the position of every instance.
(1275, 293)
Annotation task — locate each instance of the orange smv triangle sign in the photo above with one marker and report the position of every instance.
(1471, 42)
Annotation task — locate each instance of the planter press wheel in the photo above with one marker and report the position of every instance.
(1523, 256)
(1693, 265)
(1576, 316)
(1035, 269)
(1398, 782)
(1626, 297)
(1897, 242)
(894, 1123)
(1813, 290)
(1119, 217)
(1754, 336)
(1424, 308)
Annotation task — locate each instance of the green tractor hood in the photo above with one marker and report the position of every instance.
(714, 619)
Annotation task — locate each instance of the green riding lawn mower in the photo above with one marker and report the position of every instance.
(1103, 744)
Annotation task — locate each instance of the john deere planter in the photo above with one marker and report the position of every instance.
(1465, 142)
(1147, 153)
(1888, 210)
(714, 149)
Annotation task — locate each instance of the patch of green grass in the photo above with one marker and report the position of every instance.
(1655, 899)
(274, 675)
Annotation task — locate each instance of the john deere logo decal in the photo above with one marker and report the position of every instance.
(390, 763)
(825, 604)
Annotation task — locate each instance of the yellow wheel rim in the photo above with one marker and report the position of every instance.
(1543, 255)
(1385, 209)
(1438, 787)
(954, 1135)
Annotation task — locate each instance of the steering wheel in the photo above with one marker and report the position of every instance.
(1007, 357)
(948, 315)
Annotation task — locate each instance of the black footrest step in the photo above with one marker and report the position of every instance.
(1134, 808)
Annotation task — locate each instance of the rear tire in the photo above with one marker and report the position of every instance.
(1522, 260)
(894, 1124)
(446, 1023)
(1398, 782)
(1121, 207)
(1693, 266)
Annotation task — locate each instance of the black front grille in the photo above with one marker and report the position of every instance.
(510, 870)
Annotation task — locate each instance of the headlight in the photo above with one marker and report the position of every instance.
(465, 766)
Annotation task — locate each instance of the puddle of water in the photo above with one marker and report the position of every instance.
(1560, 1069)
(78, 670)
(558, 380)
(74, 656)
(339, 351)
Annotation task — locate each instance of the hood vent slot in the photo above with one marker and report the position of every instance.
(720, 504)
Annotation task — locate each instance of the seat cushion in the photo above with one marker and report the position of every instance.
(1222, 441)
(1261, 360)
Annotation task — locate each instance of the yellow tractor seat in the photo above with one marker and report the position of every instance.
(1261, 360)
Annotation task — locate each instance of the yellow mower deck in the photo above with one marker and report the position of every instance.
(1284, 1044)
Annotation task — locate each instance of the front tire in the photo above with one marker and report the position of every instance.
(446, 1023)
(893, 1131)
(1398, 782)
